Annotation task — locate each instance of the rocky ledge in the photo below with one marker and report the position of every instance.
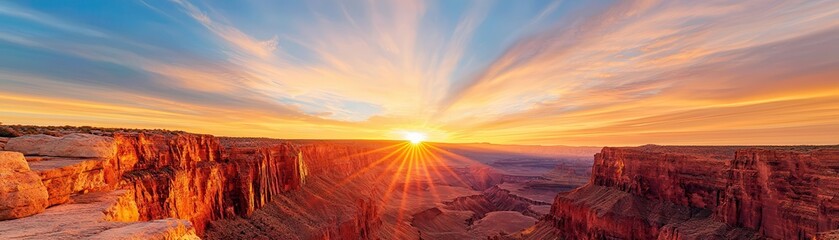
(656, 192)
(156, 184)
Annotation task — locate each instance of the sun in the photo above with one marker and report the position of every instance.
(415, 137)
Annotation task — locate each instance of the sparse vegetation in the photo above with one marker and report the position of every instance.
(8, 132)
(20, 130)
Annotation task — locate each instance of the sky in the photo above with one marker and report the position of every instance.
(523, 72)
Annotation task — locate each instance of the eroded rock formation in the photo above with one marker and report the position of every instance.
(66, 176)
(164, 185)
(99, 215)
(3, 141)
(701, 193)
(21, 191)
(190, 176)
(71, 145)
(340, 199)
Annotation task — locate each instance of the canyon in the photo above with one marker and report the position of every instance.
(157, 184)
(672, 192)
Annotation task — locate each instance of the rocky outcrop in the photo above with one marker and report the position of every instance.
(364, 223)
(340, 199)
(263, 170)
(100, 215)
(171, 176)
(189, 176)
(64, 177)
(21, 191)
(71, 145)
(167, 175)
(701, 193)
(492, 200)
(175, 176)
(782, 194)
(3, 141)
(342, 157)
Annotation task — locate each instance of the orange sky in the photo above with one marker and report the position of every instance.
(556, 73)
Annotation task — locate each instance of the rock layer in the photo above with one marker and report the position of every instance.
(192, 177)
(21, 191)
(66, 176)
(3, 141)
(71, 145)
(700, 193)
(168, 175)
(173, 175)
(101, 215)
(322, 210)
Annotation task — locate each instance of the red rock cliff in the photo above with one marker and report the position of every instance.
(168, 177)
(192, 177)
(701, 193)
(340, 200)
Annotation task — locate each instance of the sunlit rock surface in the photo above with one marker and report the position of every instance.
(71, 145)
(660, 192)
(326, 207)
(168, 175)
(190, 176)
(3, 141)
(66, 176)
(101, 215)
(21, 191)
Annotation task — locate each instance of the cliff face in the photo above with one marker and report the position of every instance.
(340, 199)
(174, 175)
(193, 177)
(164, 178)
(782, 194)
(701, 193)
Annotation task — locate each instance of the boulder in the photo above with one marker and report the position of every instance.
(29, 144)
(71, 145)
(3, 141)
(22, 193)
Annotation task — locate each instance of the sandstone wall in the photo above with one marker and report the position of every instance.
(782, 194)
(701, 192)
(175, 175)
(202, 178)
(190, 176)
(339, 199)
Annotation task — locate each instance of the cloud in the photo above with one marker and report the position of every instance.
(644, 58)
(234, 36)
(8, 9)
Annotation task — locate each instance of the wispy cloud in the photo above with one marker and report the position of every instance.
(646, 58)
(261, 48)
(8, 9)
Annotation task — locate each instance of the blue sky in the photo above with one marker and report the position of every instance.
(547, 72)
